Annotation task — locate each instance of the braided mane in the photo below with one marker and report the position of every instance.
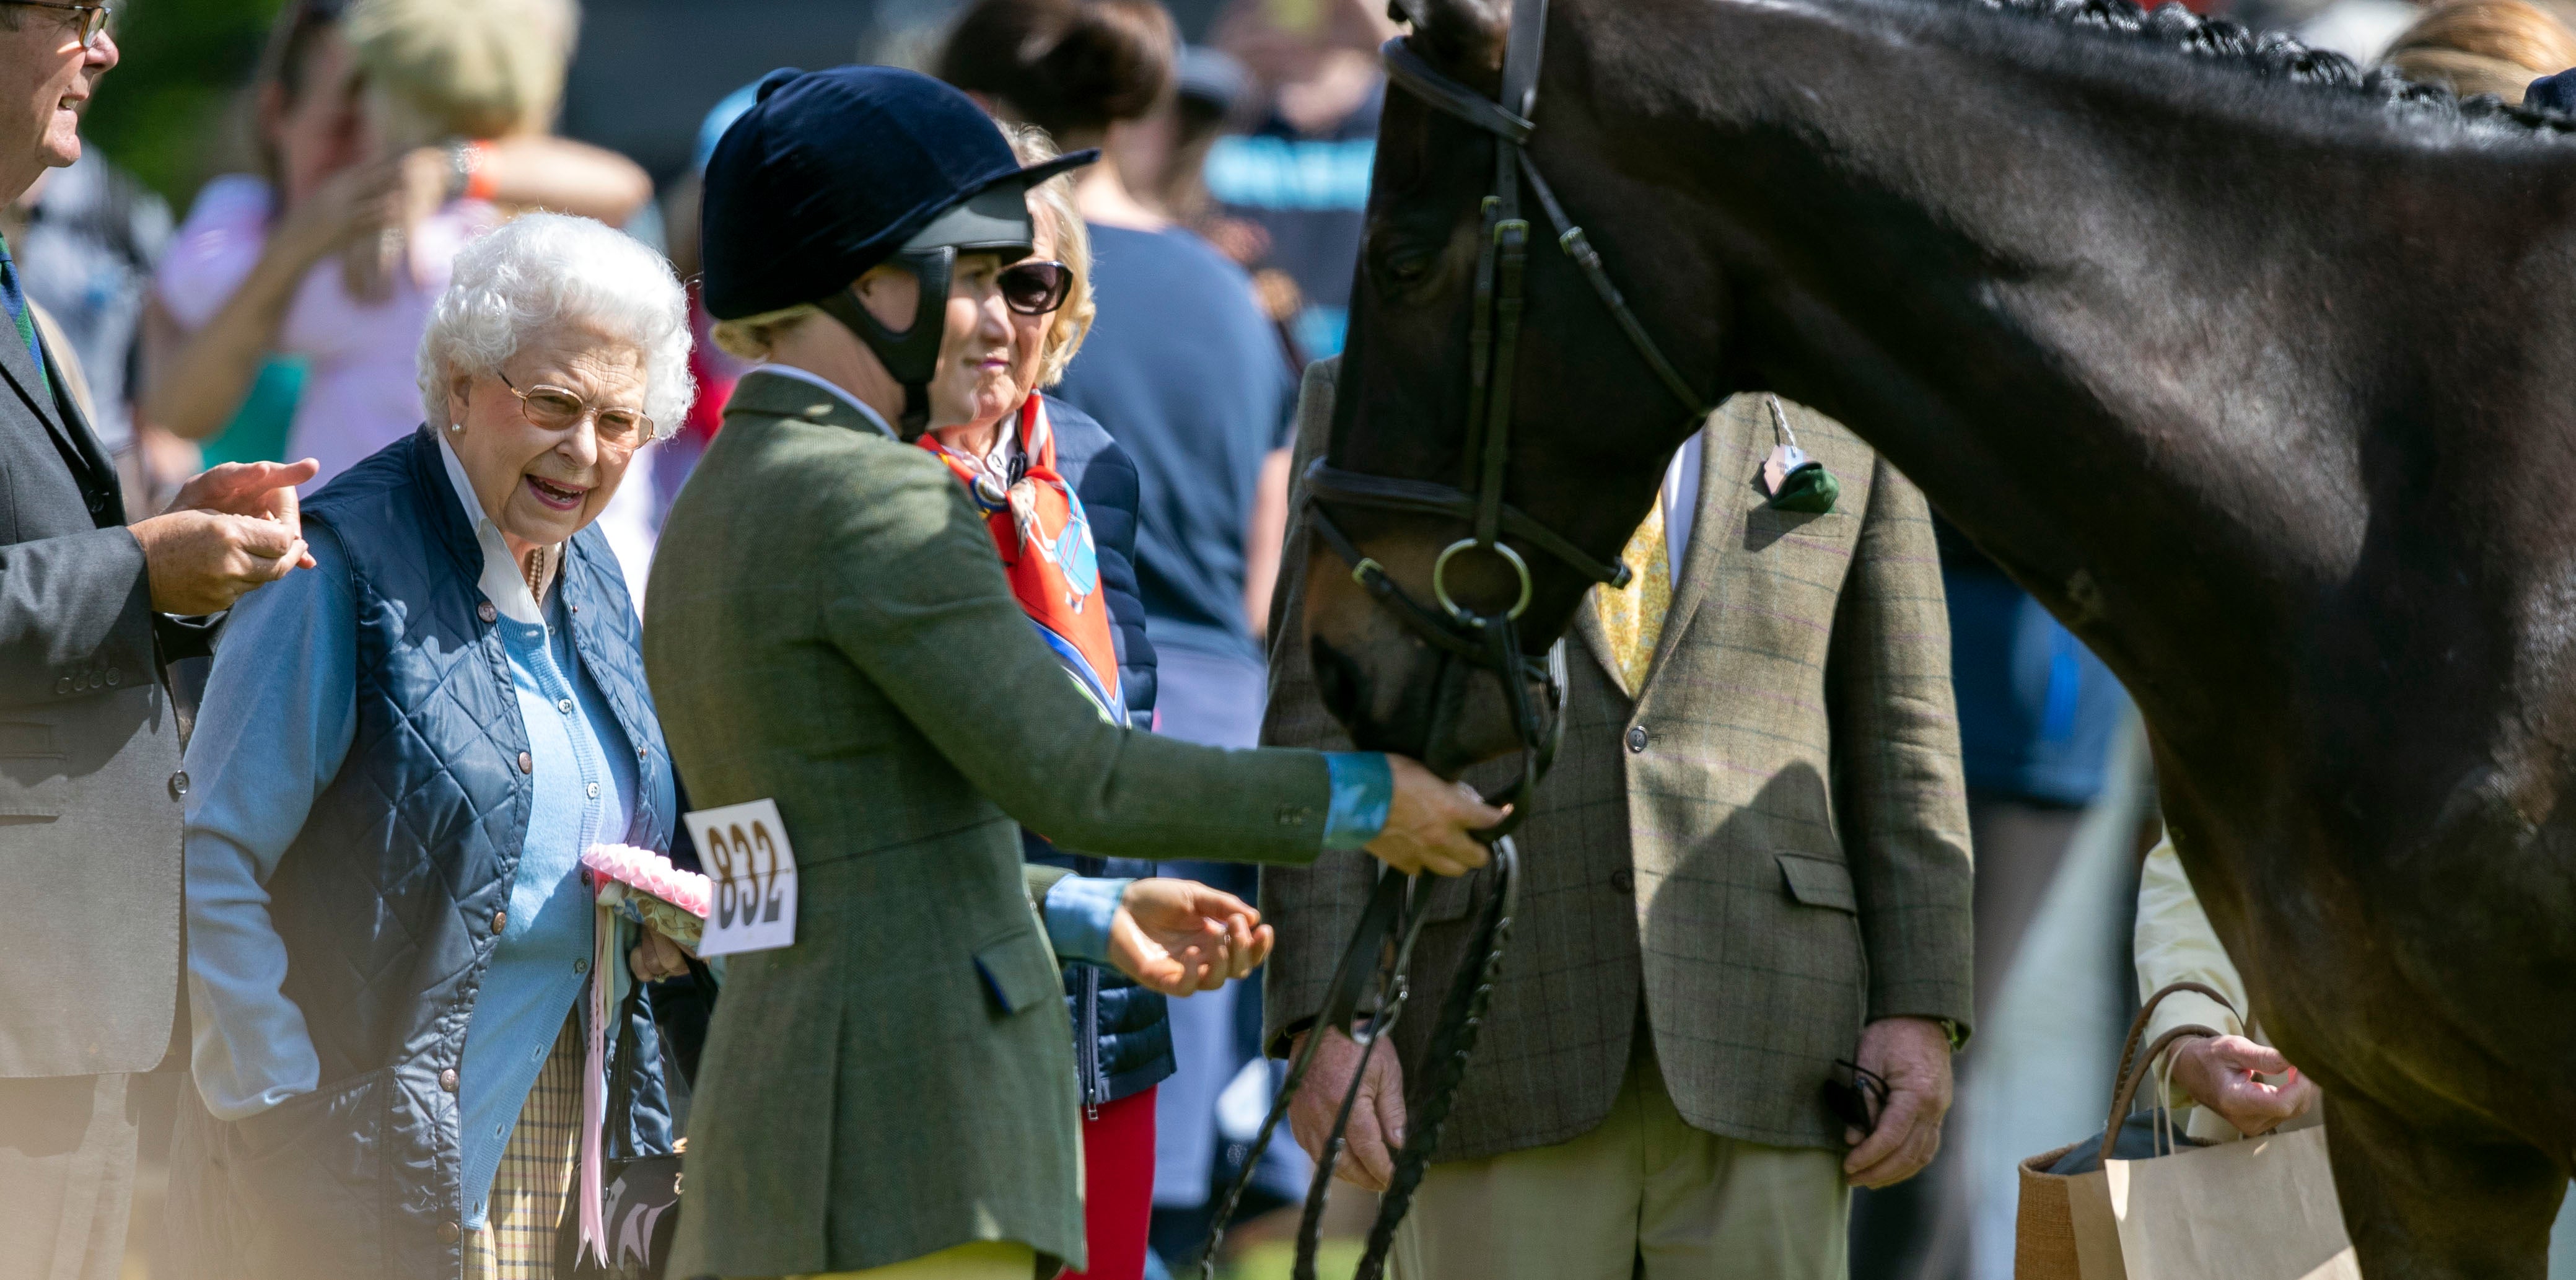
(2276, 55)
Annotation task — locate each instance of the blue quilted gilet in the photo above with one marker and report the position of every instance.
(388, 895)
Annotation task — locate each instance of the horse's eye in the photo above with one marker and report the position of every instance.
(1404, 270)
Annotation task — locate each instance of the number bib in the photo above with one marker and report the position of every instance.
(744, 850)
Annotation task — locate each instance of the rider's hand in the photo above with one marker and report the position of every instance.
(1913, 1056)
(2220, 1074)
(1428, 821)
(1179, 936)
(1377, 1119)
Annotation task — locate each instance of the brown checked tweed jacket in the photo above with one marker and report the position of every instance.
(1767, 844)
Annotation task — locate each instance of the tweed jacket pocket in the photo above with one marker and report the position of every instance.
(1819, 882)
(1018, 972)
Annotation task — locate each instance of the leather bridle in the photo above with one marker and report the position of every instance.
(1469, 641)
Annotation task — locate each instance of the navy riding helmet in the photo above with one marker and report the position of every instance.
(833, 173)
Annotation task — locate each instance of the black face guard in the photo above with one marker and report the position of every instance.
(994, 220)
(910, 355)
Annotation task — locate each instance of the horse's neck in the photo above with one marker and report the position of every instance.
(2122, 343)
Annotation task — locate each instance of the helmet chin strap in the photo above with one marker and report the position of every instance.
(910, 355)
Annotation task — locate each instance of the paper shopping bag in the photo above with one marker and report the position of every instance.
(2260, 1209)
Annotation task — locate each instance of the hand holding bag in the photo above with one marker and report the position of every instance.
(2259, 1209)
(640, 1200)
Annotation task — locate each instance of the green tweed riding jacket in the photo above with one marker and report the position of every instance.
(829, 628)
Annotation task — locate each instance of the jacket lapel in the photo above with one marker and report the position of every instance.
(776, 395)
(1722, 470)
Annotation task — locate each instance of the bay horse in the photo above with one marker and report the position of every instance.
(2260, 373)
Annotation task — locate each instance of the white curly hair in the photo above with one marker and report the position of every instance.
(541, 269)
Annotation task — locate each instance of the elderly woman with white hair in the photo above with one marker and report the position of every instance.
(401, 756)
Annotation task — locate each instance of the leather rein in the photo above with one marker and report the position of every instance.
(1470, 642)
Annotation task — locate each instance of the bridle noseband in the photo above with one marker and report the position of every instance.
(1469, 641)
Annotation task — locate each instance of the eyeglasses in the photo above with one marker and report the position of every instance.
(555, 409)
(93, 17)
(1035, 288)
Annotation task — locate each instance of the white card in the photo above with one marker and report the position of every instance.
(743, 848)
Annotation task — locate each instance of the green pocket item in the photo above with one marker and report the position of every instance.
(1810, 489)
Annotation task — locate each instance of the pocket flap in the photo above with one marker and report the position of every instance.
(1819, 882)
(1018, 971)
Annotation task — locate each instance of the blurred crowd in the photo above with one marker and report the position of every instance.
(403, 228)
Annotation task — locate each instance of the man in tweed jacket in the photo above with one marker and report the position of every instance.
(1748, 866)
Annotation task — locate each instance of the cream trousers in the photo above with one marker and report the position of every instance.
(1644, 1195)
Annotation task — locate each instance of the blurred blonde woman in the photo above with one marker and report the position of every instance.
(288, 311)
(2483, 46)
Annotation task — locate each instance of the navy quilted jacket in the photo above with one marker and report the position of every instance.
(1122, 1036)
(386, 900)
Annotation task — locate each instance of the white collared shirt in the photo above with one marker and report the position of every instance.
(1681, 501)
(874, 418)
(504, 583)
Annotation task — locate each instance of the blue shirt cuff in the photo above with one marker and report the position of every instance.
(1079, 912)
(1363, 790)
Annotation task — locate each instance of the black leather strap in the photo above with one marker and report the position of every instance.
(1407, 68)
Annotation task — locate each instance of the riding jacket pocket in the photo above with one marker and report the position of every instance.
(1819, 882)
(1018, 971)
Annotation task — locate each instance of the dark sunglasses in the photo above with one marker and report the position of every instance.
(1856, 1095)
(1035, 288)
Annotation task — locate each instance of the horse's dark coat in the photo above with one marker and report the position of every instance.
(2258, 372)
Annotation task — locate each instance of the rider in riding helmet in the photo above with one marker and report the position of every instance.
(832, 630)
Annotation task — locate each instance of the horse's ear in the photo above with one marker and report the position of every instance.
(1464, 36)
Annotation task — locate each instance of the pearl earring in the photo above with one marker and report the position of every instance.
(456, 426)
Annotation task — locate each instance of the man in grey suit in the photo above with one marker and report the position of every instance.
(90, 611)
(1750, 861)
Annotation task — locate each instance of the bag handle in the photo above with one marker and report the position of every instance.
(2125, 1081)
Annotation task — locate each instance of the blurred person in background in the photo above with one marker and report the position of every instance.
(86, 239)
(401, 757)
(2483, 46)
(1122, 1038)
(1183, 369)
(390, 132)
(1296, 184)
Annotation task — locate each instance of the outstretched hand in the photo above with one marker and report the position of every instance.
(1428, 821)
(231, 529)
(2222, 1075)
(1179, 937)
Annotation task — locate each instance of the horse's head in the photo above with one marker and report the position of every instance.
(1590, 424)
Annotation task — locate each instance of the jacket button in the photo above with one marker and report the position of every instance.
(114, 675)
(447, 1079)
(63, 686)
(581, 966)
(1624, 880)
(486, 612)
(592, 790)
(1637, 738)
(564, 705)
(500, 921)
(526, 765)
(178, 784)
(449, 1232)
(643, 753)
(1292, 815)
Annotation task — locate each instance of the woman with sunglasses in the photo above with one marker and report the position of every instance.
(400, 1027)
(842, 624)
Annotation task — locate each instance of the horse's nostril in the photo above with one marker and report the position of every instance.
(1337, 681)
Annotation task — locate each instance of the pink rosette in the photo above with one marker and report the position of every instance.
(673, 901)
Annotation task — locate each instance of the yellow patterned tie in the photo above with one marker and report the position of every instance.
(1633, 619)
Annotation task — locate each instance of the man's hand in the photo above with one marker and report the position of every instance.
(1179, 936)
(2220, 1074)
(1427, 823)
(230, 530)
(656, 957)
(1913, 1056)
(1377, 1119)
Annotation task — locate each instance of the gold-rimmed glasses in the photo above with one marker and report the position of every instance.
(93, 17)
(557, 409)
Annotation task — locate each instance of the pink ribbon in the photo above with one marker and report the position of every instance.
(594, 1081)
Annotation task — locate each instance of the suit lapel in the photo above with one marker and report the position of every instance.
(1723, 450)
(73, 438)
(1587, 624)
